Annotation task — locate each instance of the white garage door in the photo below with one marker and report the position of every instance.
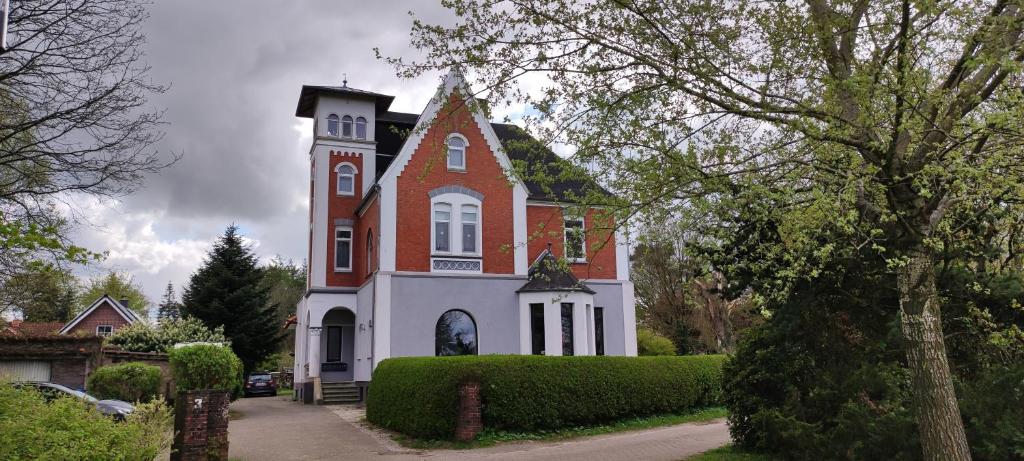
(25, 370)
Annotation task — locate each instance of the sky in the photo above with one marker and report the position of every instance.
(234, 71)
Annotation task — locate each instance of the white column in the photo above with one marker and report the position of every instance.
(313, 352)
(553, 327)
(519, 232)
(629, 318)
(382, 319)
(525, 342)
(592, 349)
(580, 329)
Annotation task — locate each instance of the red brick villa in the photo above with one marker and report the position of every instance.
(422, 242)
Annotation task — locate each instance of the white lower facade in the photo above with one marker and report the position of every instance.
(343, 333)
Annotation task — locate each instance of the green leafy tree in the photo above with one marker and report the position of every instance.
(117, 285)
(286, 283)
(143, 337)
(650, 343)
(169, 307)
(41, 293)
(897, 121)
(226, 291)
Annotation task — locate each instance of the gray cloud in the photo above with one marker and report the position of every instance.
(235, 69)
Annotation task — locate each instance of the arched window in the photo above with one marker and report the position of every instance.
(346, 126)
(455, 334)
(346, 179)
(369, 251)
(332, 125)
(442, 227)
(360, 128)
(456, 152)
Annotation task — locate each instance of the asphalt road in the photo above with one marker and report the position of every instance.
(275, 428)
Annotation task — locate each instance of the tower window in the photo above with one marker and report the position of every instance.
(332, 125)
(360, 128)
(346, 126)
(343, 249)
(346, 179)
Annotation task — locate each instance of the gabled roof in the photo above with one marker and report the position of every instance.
(127, 314)
(393, 128)
(310, 93)
(547, 275)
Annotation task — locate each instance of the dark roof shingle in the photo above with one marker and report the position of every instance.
(547, 275)
(392, 128)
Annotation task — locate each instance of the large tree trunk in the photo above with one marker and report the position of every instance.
(938, 414)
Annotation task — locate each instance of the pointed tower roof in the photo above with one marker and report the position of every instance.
(547, 275)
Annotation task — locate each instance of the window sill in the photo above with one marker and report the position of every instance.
(342, 271)
(577, 261)
(456, 170)
(456, 256)
(345, 195)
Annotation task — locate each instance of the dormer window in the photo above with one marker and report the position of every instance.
(346, 179)
(332, 125)
(360, 128)
(457, 152)
(346, 126)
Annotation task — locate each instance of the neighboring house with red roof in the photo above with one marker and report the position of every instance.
(58, 352)
(23, 328)
(105, 316)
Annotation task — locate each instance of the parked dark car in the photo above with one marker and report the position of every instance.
(260, 383)
(116, 409)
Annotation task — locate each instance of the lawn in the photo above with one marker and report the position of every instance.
(730, 453)
(489, 438)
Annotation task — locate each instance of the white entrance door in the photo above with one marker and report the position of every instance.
(25, 370)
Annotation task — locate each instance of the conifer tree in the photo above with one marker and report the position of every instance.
(169, 308)
(226, 291)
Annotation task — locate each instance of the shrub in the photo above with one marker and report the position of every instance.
(206, 366)
(650, 343)
(143, 337)
(132, 382)
(70, 429)
(993, 409)
(418, 395)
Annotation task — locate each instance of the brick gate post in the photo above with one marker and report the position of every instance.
(469, 422)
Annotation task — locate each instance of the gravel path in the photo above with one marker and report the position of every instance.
(274, 428)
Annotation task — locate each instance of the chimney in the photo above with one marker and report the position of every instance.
(124, 302)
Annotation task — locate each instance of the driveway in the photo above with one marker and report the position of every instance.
(275, 428)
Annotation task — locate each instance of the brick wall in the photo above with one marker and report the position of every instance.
(70, 372)
(103, 315)
(427, 170)
(344, 207)
(201, 426)
(544, 224)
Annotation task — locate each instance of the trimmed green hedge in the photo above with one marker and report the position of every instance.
(131, 382)
(205, 366)
(417, 396)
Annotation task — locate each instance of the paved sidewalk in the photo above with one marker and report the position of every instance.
(274, 428)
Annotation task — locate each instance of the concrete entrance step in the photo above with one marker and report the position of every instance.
(340, 393)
